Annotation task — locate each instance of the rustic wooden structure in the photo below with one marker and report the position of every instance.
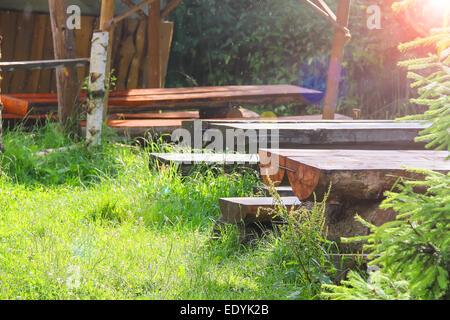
(213, 102)
(353, 174)
(187, 161)
(309, 134)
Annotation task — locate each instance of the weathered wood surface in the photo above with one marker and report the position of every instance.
(237, 210)
(187, 161)
(141, 127)
(67, 77)
(353, 174)
(43, 64)
(339, 218)
(143, 100)
(355, 134)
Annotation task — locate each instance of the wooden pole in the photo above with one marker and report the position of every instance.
(1, 106)
(97, 88)
(67, 77)
(154, 60)
(107, 14)
(337, 54)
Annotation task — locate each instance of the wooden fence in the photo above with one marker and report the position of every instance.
(28, 37)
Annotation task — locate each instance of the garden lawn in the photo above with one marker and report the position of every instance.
(103, 225)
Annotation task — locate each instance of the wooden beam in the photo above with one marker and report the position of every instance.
(170, 6)
(136, 8)
(154, 61)
(337, 54)
(131, 6)
(43, 64)
(107, 13)
(66, 78)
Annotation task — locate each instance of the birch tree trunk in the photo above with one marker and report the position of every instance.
(97, 88)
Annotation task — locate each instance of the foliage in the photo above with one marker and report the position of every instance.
(271, 41)
(432, 78)
(413, 251)
(304, 244)
(122, 230)
(377, 287)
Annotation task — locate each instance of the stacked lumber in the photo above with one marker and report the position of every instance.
(358, 179)
(34, 42)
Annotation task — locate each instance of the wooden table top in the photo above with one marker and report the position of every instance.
(343, 160)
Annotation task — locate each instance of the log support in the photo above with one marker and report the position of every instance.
(337, 54)
(154, 61)
(97, 90)
(66, 77)
(106, 15)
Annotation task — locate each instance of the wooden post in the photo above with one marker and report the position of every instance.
(337, 54)
(97, 88)
(107, 13)
(1, 106)
(154, 61)
(66, 78)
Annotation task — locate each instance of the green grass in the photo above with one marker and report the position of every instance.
(102, 225)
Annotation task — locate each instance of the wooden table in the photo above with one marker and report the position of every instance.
(353, 174)
(211, 101)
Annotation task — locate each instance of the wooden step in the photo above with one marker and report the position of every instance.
(339, 218)
(237, 210)
(283, 191)
(186, 161)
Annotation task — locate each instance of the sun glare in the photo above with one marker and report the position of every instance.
(440, 4)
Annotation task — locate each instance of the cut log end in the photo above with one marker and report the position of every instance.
(270, 167)
(303, 179)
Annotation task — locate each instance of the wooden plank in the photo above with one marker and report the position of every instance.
(158, 115)
(37, 51)
(141, 128)
(133, 76)
(249, 210)
(166, 36)
(8, 28)
(153, 42)
(83, 39)
(352, 135)
(187, 161)
(22, 50)
(126, 53)
(353, 174)
(47, 75)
